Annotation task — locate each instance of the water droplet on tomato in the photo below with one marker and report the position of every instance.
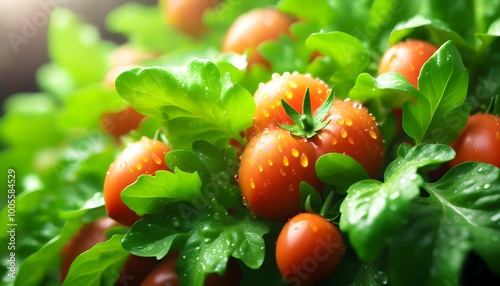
(252, 184)
(285, 161)
(294, 152)
(156, 158)
(265, 113)
(373, 134)
(340, 121)
(288, 94)
(123, 164)
(282, 172)
(351, 141)
(343, 133)
(261, 169)
(138, 166)
(304, 161)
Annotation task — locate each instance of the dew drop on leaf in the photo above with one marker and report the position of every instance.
(176, 222)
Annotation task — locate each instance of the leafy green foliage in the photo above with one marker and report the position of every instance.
(150, 194)
(348, 55)
(215, 242)
(194, 102)
(440, 113)
(53, 142)
(463, 207)
(374, 210)
(458, 215)
(69, 36)
(339, 170)
(143, 24)
(100, 265)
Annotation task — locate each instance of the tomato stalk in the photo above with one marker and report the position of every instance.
(306, 124)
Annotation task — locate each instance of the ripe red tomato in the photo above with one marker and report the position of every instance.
(479, 141)
(143, 157)
(88, 236)
(253, 28)
(407, 58)
(308, 249)
(272, 166)
(275, 162)
(187, 15)
(165, 274)
(136, 269)
(121, 122)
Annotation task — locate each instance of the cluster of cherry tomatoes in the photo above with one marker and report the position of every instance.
(296, 121)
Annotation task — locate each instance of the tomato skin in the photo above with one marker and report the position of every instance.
(143, 157)
(135, 270)
(253, 28)
(121, 122)
(187, 15)
(308, 249)
(88, 236)
(479, 141)
(407, 58)
(270, 173)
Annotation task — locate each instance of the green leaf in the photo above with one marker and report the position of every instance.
(310, 199)
(318, 12)
(100, 265)
(491, 35)
(437, 30)
(151, 194)
(143, 24)
(460, 216)
(339, 170)
(373, 211)
(34, 270)
(69, 36)
(194, 102)
(209, 249)
(440, 113)
(95, 99)
(93, 206)
(155, 236)
(383, 93)
(348, 55)
(28, 116)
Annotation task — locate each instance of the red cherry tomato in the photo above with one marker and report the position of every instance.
(187, 15)
(308, 249)
(88, 236)
(121, 122)
(253, 28)
(407, 58)
(143, 157)
(479, 141)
